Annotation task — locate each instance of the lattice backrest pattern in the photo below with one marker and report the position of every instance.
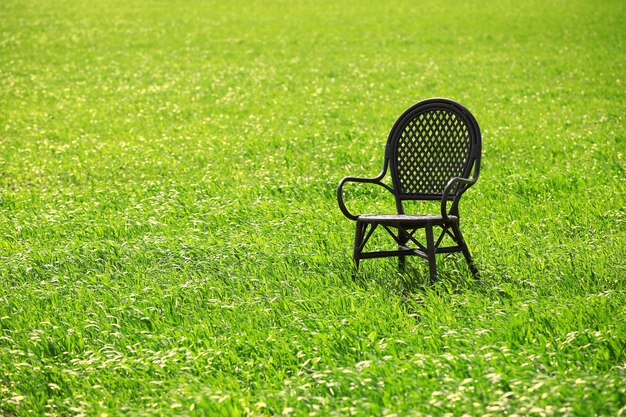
(431, 148)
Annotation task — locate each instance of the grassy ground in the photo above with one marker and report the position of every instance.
(169, 236)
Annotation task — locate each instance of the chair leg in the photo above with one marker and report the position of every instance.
(358, 240)
(465, 249)
(402, 258)
(430, 247)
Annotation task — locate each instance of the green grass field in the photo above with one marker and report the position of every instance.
(170, 242)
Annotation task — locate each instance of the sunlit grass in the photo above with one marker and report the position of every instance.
(170, 241)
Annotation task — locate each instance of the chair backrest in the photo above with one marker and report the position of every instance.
(433, 141)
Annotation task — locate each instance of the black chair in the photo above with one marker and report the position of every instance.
(433, 153)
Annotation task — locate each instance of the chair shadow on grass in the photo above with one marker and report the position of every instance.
(453, 277)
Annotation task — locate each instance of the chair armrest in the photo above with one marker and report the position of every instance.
(345, 180)
(466, 182)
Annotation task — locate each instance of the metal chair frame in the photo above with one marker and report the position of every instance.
(433, 153)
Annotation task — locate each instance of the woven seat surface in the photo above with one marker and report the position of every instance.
(403, 218)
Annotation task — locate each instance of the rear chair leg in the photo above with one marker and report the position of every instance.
(402, 258)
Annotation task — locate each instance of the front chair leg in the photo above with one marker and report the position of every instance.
(466, 253)
(358, 246)
(430, 248)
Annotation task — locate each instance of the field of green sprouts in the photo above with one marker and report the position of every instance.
(170, 242)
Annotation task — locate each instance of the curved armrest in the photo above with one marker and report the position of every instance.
(342, 206)
(465, 182)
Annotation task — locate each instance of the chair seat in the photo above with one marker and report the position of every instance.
(404, 219)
